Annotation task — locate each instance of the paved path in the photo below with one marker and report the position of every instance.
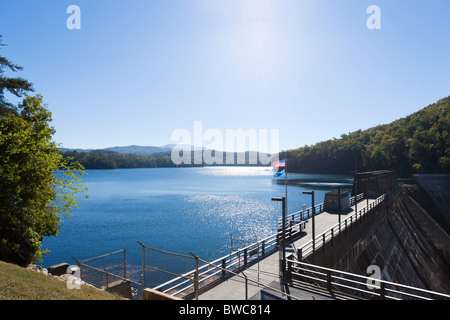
(266, 271)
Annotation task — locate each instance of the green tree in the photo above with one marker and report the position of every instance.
(418, 143)
(17, 86)
(37, 185)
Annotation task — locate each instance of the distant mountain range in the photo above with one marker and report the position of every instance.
(150, 157)
(134, 149)
(139, 150)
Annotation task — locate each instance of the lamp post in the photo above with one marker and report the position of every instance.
(313, 223)
(356, 195)
(283, 240)
(367, 189)
(339, 204)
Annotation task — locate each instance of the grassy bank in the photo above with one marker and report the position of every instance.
(17, 283)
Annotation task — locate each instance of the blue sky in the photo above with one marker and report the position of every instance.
(138, 70)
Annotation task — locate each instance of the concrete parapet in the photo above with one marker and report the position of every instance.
(401, 239)
(121, 288)
(58, 269)
(150, 294)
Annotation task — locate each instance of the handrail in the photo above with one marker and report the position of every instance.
(251, 280)
(344, 276)
(319, 208)
(339, 228)
(231, 260)
(266, 244)
(104, 270)
(104, 255)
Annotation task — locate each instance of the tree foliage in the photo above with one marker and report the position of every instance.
(37, 185)
(418, 143)
(16, 86)
(105, 159)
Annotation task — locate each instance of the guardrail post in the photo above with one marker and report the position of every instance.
(345, 226)
(107, 280)
(143, 268)
(332, 237)
(323, 243)
(289, 270)
(245, 256)
(382, 291)
(195, 276)
(263, 247)
(79, 267)
(239, 258)
(329, 280)
(299, 254)
(124, 263)
(223, 267)
(246, 285)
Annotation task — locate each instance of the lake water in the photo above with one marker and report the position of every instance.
(180, 210)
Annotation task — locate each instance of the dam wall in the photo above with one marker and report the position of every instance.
(399, 237)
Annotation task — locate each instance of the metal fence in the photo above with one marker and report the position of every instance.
(105, 270)
(209, 273)
(101, 271)
(189, 279)
(338, 229)
(191, 284)
(304, 214)
(335, 280)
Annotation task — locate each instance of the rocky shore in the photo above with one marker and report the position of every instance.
(68, 278)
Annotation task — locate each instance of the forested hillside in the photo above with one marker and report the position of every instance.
(107, 159)
(418, 143)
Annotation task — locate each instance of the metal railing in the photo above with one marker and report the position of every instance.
(209, 273)
(99, 275)
(359, 197)
(182, 285)
(307, 213)
(230, 264)
(241, 274)
(103, 276)
(365, 286)
(189, 279)
(100, 278)
(302, 214)
(339, 228)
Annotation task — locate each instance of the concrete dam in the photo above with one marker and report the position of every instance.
(397, 230)
(402, 239)
(389, 241)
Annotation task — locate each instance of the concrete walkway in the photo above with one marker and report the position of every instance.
(266, 271)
